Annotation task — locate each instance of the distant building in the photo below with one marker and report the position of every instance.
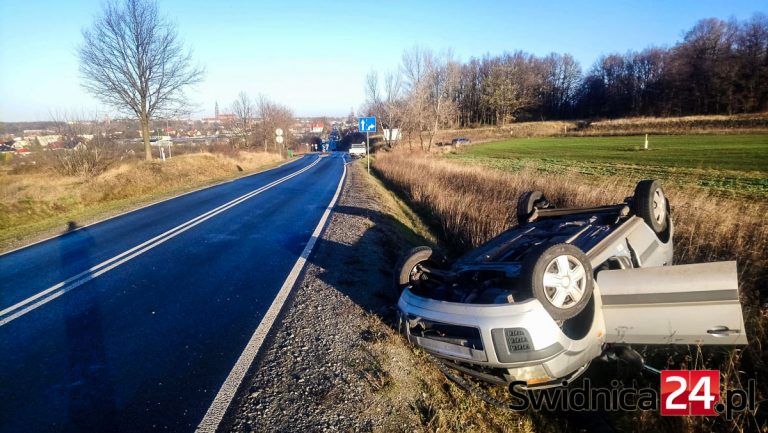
(46, 140)
(221, 118)
(36, 132)
(317, 127)
(21, 144)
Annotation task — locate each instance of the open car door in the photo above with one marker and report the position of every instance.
(684, 304)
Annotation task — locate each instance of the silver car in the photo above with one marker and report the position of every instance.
(539, 302)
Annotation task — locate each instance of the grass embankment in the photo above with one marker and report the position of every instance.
(404, 371)
(39, 202)
(469, 204)
(731, 165)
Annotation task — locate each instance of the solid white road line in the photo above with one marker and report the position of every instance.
(226, 394)
(23, 307)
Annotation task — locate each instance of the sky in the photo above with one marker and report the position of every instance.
(313, 57)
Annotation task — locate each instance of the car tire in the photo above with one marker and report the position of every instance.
(527, 202)
(651, 205)
(407, 274)
(560, 277)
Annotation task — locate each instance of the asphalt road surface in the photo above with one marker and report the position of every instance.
(134, 323)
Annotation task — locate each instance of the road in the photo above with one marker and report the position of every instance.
(134, 323)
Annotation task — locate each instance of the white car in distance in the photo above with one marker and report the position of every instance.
(357, 150)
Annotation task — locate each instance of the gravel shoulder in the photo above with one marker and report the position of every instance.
(334, 361)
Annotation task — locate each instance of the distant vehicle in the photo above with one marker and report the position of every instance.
(357, 150)
(461, 141)
(539, 302)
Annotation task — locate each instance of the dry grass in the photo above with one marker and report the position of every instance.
(417, 396)
(715, 124)
(756, 123)
(34, 202)
(469, 204)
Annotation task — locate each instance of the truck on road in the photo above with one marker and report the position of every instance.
(357, 150)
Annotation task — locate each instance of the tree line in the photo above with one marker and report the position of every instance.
(719, 67)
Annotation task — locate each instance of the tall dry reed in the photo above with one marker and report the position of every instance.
(470, 204)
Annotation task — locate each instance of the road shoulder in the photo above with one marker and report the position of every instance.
(335, 362)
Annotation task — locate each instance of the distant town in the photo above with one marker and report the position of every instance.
(19, 139)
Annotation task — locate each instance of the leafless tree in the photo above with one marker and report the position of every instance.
(431, 82)
(133, 60)
(272, 116)
(244, 111)
(385, 103)
(718, 67)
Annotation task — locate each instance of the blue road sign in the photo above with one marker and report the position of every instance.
(367, 124)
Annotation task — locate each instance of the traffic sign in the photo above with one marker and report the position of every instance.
(279, 139)
(367, 124)
(278, 132)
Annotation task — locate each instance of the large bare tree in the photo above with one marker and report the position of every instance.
(244, 111)
(133, 60)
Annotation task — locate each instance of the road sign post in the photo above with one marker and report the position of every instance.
(279, 139)
(367, 125)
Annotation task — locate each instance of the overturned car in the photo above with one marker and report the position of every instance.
(542, 300)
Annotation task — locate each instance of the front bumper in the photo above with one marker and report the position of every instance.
(517, 341)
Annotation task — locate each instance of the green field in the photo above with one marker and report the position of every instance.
(734, 165)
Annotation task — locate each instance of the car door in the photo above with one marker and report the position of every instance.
(683, 304)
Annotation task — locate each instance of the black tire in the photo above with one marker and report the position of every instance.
(527, 202)
(563, 299)
(407, 273)
(651, 205)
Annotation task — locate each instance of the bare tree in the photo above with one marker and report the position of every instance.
(132, 59)
(392, 104)
(385, 104)
(415, 71)
(244, 110)
(272, 116)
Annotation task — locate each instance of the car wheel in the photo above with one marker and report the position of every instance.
(527, 202)
(409, 271)
(651, 205)
(560, 277)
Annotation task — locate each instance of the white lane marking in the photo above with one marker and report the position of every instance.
(21, 308)
(151, 204)
(226, 394)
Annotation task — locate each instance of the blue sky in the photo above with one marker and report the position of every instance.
(313, 57)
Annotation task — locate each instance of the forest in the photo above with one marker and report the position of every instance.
(718, 67)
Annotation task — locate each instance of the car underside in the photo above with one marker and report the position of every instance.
(531, 303)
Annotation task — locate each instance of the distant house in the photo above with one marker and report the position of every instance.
(35, 132)
(227, 118)
(21, 144)
(317, 127)
(46, 140)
